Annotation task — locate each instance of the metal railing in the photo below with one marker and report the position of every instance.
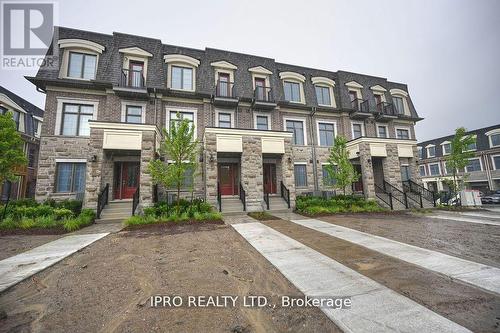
(386, 109)
(243, 197)
(102, 200)
(285, 193)
(384, 196)
(266, 199)
(415, 197)
(425, 193)
(132, 78)
(360, 105)
(224, 89)
(135, 200)
(263, 94)
(396, 193)
(219, 197)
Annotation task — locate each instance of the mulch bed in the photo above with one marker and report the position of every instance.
(34, 231)
(168, 226)
(385, 213)
(266, 217)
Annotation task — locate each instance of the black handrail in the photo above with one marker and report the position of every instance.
(427, 194)
(266, 199)
(263, 94)
(243, 197)
(219, 197)
(285, 193)
(396, 193)
(415, 197)
(379, 190)
(132, 78)
(135, 200)
(224, 89)
(102, 199)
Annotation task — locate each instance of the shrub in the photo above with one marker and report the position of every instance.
(338, 204)
(85, 218)
(140, 220)
(9, 223)
(62, 213)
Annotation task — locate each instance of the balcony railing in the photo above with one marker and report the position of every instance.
(386, 108)
(132, 78)
(224, 89)
(360, 105)
(263, 94)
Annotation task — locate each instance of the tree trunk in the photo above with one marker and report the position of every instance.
(7, 203)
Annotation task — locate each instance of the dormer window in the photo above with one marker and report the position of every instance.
(135, 67)
(80, 58)
(355, 95)
(431, 151)
(379, 95)
(293, 86)
(224, 78)
(494, 137)
(324, 91)
(400, 101)
(261, 83)
(446, 147)
(181, 72)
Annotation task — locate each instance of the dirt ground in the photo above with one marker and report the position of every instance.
(459, 302)
(15, 244)
(471, 241)
(107, 287)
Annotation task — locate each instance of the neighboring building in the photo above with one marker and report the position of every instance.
(483, 170)
(260, 123)
(28, 120)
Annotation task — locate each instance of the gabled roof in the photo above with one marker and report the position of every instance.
(27, 106)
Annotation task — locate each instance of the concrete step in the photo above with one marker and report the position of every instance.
(231, 205)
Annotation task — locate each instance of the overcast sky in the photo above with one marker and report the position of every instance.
(447, 51)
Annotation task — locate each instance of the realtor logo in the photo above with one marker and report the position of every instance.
(27, 29)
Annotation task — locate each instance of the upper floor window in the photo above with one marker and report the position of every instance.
(398, 104)
(327, 179)
(434, 169)
(446, 148)
(70, 177)
(420, 153)
(297, 128)
(431, 151)
(326, 133)
(36, 124)
(292, 91)
(323, 95)
(472, 146)
(261, 122)
(496, 162)
(75, 119)
(448, 169)
(422, 170)
(3, 110)
(182, 78)
(293, 86)
(133, 114)
(82, 65)
(16, 115)
(474, 165)
(382, 131)
(400, 101)
(402, 133)
(31, 158)
(358, 130)
(176, 117)
(225, 119)
(323, 87)
(494, 137)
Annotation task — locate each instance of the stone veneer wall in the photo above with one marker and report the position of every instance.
(94, 169)
(366, 170)
(210, 150)
(147, 155)
(251, 173)
(391, 165)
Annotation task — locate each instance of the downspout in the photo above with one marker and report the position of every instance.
(313, 151)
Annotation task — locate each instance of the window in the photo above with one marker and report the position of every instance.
(262, 122)
(326, 134)
(402, 133)
(431, 151)
(3, 110)
(70, 177)
(188, 178)
(471, 146)
(323, 95)
(448, 169)
(16, 115)
(292, 91)
(31, 157)
(327, 179)
(382, 131)
(224, 120)
(75, 119)
(405, 173)
(422, 170)
(357, 130)
(300, 175)
(446, 148)
(176, 116)
(434, 169)
(297, 128)
(398, 104)
(133, 114)
(496, 162)
(82, 65)
(182, 78)
(35, 126)
(474, 165)
(495, 140)
(420, 153)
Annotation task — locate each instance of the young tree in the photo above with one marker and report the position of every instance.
(11, 152)
(340, 168)
(181, 150)
(459, 156)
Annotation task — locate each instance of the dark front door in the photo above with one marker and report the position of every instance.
(269, 178)
(358, 186)
(126, 179)
(228, 178)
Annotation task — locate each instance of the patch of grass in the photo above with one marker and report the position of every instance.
(262, 216)
(86, 217)
(338, 204)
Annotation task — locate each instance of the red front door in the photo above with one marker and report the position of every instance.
(228, 178)
(269, 178)
(126, 179)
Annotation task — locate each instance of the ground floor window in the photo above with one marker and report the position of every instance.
(405, 173)
(327, 179)
(474, 165)
(70, 177)
(300, 175)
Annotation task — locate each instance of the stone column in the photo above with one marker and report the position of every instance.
(414, 170)
(93, 183)
(251, 173)
(287, 171)
(367, 170)
(391, 165)
(146, 183)
(210, 165)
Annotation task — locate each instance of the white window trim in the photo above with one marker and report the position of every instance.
(377, 125)
(355, 87)
(262, 114)
(79, 46)
(442, 147)
(133, 103)
(439, 169)
(304, 123)
(334, 123)
(217, 111)
(425, 170)
(404, 95)
(427, 150)
(491, 133)
(71, 160)
(325, 82)
(403, 128)
(301, 91)
(59, 111)
(493, 161)
(475, 137)
(181, 61)
(480, 164)
(362, 123)
(182, 109)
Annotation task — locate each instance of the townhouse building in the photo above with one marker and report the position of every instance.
(264, 127)
(483, 171)
(28, 119)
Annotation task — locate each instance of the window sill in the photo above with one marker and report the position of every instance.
(182, 90)
(76, 78)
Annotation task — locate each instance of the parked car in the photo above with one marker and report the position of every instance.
(492, 198)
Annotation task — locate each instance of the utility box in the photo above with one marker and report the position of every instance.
(470, 198)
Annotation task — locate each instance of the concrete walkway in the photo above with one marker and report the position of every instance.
(478, 275)
(375, 308)
(456, 217)
(19, 267)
